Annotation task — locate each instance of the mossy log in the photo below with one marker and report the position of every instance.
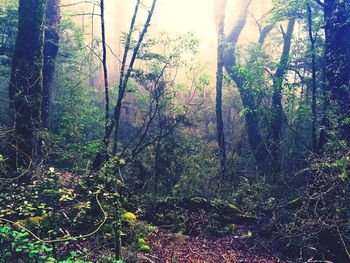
(224, 213)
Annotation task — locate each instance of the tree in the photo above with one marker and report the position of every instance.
(51, 46)
(125, 74)
(263, 151)
(219, 83)
(247, 95)
(26, 83)
(104, 61)
(337, 64)
(277, 107)
(8, 31)
(314, 80)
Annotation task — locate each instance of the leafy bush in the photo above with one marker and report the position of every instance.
(16, 246)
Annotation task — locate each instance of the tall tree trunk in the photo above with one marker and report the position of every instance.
(105, 74)
(51, 45)
(157, 171)
(248, 99)
(337, 65)
(314, 84)
(219, 84)
(277, 108)
(26, 83)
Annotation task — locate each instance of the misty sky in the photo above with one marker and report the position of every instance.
(177, 16)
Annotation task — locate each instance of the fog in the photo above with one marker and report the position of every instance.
(174, 17)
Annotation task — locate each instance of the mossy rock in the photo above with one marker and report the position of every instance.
(197, 203)
(145, 249)
(241, 219)
(231, 209)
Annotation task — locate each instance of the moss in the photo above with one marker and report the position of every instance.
(129, 217)
(232, 209)
(141, 242)
(31, 222)
(145, 249)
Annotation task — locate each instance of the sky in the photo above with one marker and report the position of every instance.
(173, 16)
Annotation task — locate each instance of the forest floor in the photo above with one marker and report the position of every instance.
(170, 247)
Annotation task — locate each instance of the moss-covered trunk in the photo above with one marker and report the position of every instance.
(26, 83)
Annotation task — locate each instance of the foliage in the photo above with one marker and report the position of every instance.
(16, 246)
(164, 175)
(8, 18)
(77, 122)
(285, 9)
(319, 212)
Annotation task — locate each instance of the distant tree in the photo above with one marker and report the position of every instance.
(312, 39)
(52, 37)
(265, 152)
(26, 83)
(257, 145)
(247, 95)
(8, 31)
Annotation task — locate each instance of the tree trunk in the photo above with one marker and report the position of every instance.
(314, 84)
(26, 83)
(51, 46)
(104, 61)
(105, 75)
(337, 65)
(219, 84)
(277, 115)
(157, 171)
(248, 99)
(124, 80)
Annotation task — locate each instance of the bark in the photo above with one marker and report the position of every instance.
(157, 170)
(337, 65)
(26, 83)
(104, 61)
(219, 84)
(314, 84)
(105, 73)
(51, 45)
(277, 115)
